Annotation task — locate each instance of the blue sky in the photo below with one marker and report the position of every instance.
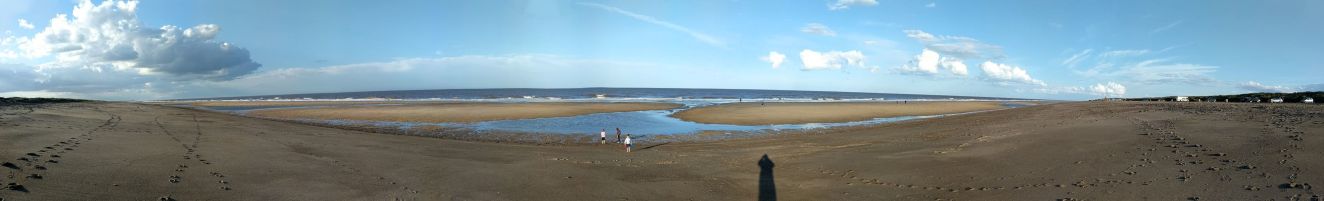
(126, 50)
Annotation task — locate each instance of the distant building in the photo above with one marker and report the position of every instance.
(1308, 100)
(1183, 99)
(1276, 100)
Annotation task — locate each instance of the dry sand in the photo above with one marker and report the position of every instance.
(798, 113)
(457, 112)
(1069, 151)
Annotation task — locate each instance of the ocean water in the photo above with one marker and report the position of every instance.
(608, 93)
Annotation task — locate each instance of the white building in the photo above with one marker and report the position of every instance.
(1308, 100)
(1183, 99)
(1276, 100)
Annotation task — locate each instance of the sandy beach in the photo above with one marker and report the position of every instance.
(457, 112)
(1068, 151)
(294, 103)
(797, 113)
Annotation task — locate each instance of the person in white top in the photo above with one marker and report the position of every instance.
(627, 143)
(603, 136)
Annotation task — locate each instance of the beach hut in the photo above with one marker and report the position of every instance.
(1308, 100)
(1276, 100)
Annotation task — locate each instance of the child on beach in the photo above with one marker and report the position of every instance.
(603, 136)
(627, 143)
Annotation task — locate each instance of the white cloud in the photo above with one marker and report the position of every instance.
(955, 65)
(1157, 71)
(705, 38)
(23, 23)
(469, 71)
(931, 5)
(472, 71)
(774, 58)
(109, 36)
(925, 63)
(929, 62)
(1124, 53)
(1132, 65)
(844, 4)
(1006, 74)
(956, 46)
(1076, 58)
(1257, 87)
(921, 36)
(104, 51)
(818, 29)
(1110, 89)
(814, 60)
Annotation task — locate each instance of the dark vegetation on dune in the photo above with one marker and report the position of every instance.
(1250, 97)
(27, 101)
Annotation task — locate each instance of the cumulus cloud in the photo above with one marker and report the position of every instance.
(1007, 74)
(813, 60)
(818, 29)
(702, 37)
(104, 51)
(955, 65)
(23, 23)
(1110, 89)
(109, 36)
(925, 63)
(929, 62)
(844, 4)
(774, 58)
(956, 46)
(1253, 86)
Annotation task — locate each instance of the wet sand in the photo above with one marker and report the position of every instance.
(1067, 151)
(457, 112)
(294, 103)
(799, 113)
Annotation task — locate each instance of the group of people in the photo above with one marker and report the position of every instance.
(619, 140)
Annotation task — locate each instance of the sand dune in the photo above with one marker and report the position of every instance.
(458, 112)
(1068, 151)
(796, 113)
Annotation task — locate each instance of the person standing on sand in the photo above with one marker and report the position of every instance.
(627, 143)
(618, 135)
(603, 136)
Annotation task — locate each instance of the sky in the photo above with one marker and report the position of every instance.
(1045, 49)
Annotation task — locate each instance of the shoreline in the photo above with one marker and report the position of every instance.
(802, 113)
(457, 112)
(574, 138)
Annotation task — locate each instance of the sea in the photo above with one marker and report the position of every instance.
(607, 93)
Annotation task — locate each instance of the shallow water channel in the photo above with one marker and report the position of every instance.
(637, 123)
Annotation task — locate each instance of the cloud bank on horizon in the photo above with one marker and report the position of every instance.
(130, 50)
